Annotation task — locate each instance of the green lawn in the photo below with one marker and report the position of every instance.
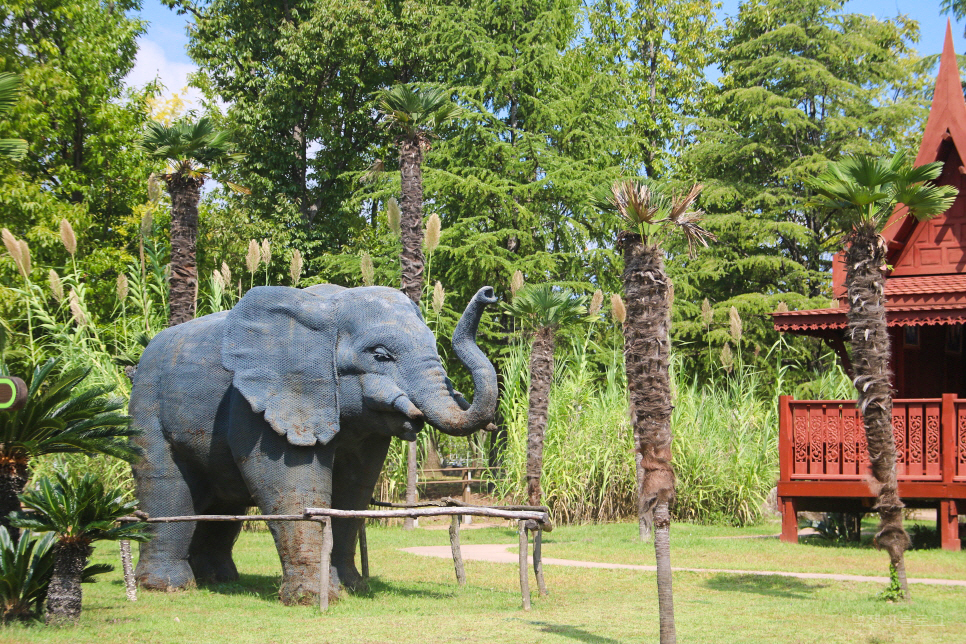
(415, 599)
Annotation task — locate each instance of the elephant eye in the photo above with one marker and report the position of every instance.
(382, 355)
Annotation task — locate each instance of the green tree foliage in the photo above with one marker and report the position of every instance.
(802, 83)
(656, 51)
(81, 127)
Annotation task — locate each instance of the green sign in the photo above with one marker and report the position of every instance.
(13, 393)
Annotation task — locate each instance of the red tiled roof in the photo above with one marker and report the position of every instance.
(820, 319)
(955, 283)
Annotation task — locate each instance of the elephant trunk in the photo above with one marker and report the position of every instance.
(441, 406)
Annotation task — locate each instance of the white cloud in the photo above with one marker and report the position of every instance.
(152, 62)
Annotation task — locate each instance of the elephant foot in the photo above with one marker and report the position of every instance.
(167, 577)
(298, 591)
(350, 579)
(214, 569)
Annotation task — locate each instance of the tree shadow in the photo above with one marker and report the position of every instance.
(768, 585)
(573, 633)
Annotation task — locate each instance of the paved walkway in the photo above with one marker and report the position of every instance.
(499, 553)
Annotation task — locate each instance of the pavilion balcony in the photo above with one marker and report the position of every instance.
(824, 461)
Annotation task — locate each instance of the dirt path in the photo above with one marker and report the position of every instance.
(499, 553)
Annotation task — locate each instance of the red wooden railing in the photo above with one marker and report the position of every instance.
(825, 440)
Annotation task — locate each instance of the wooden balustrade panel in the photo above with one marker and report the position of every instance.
(960, 439)
(829, 439)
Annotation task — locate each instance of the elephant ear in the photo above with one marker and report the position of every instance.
(280, 343)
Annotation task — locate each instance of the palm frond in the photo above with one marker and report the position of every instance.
(78, 507)
(415, 110)
(544, 305)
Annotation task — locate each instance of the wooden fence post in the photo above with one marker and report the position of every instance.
(538, 562)
(454, 543)
(129, 586)
(325, 563)
(524, 582)
(364, 550)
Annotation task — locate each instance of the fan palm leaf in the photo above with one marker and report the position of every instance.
(12, 149)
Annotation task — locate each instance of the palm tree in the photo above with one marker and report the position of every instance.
(415, 115)
(58, 418)
(12, 149)
(544, 309)
(865, 191)
(190, 149)
(80, 511)
(648, 292)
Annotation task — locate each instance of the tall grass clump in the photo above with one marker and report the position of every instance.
(725, 442)
(725, 447)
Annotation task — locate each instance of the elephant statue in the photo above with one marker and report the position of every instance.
(289, 400)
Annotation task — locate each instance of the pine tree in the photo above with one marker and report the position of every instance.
(802, 83)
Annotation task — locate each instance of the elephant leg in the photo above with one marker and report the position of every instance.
(163, 492)
(210, 551)
(354, 477)
(285, 479)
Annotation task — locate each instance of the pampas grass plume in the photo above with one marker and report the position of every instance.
(516, 283)
(75, 309)
(122, 287)
(295, 268)
(438, 297)
(434, 228)
(56, 286)
(68, 237)
(617, 308)
(368, 270)
(253, 257)
(394, 215)
(266, 251)
(596, 302)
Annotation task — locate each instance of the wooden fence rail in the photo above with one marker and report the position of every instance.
(528, 518)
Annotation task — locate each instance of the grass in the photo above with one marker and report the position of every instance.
(415, 599)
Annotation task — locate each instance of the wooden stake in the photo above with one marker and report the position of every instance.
(524, 582)
(132, 593)
(364, 550)
(325, 563)
(454, 542)
(538, 563)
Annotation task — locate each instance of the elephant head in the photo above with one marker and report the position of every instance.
(312, 359)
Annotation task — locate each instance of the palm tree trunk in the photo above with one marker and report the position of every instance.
(647, 352)
(64, 592)
(183, 285)
(869, 339)
(13, 478)
(541, 373)
(411, 258)
(411, 217)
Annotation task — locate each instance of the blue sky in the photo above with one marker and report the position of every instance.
(162, 49)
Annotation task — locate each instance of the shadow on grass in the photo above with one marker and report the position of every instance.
(768, 585)
(573, 633)
(378, 587)
(264, 587)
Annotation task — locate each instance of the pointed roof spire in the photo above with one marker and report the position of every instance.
(947, 120)
(948, 111)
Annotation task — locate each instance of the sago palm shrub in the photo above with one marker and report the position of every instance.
(79, 511)
(60, 417)
(26, 565)
(864, 191)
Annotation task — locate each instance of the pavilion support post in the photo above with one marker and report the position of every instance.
(789, 521)
(948, 519)
(524, 582)
(325, 563)
(364, 550)
(538, 562)
(454, 543)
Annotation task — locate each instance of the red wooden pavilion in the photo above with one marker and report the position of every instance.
(823, 458)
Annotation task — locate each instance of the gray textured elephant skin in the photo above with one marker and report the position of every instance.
(288, 401)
